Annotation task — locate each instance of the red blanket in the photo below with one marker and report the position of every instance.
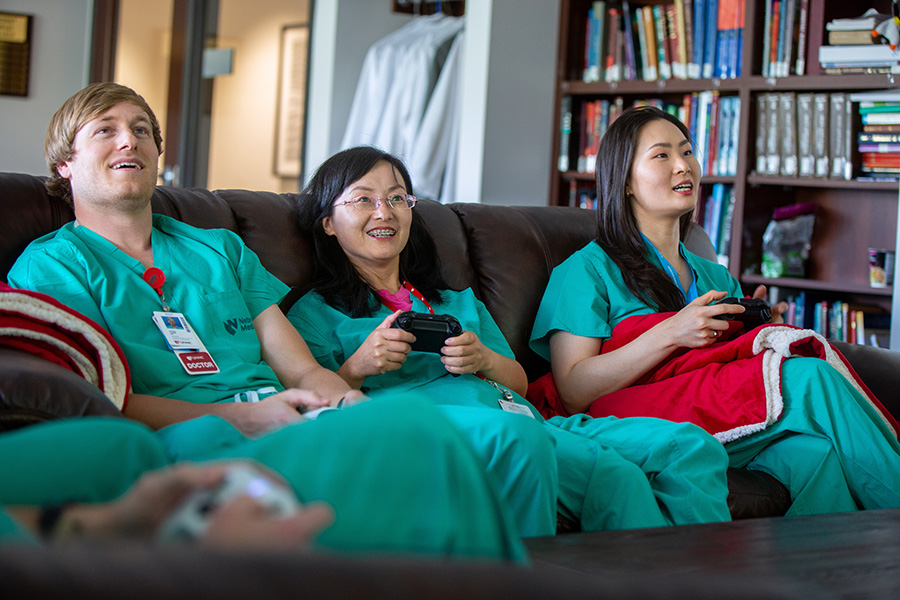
(38, 324)
(731, 388)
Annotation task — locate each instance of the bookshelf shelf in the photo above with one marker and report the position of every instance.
(811, 182)
(757, 83)
(812, 284)
(852, 215)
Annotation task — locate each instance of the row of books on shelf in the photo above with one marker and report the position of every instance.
(804, 135)
(715, 215)
(879, 140)
(713, 120)
(838, 320)
(684, 39)
(865, 44)
(785, 37)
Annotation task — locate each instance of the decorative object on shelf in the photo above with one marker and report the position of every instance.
(786, 242)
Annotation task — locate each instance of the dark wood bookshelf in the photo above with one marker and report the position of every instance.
(852, 215)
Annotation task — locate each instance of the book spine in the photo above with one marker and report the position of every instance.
(613, 70)
(680, 68)
(724, 247)
(786, 36)
(878, 138)
(762, 130)
(662, 41)
(599, 39)
(836, 128)
(735, 136)
(712, 137)
(565, 133)
(648, 43)
(773, 148)
(588, 36)
(739, 42)
(688, 36)
(820, 134)
(627, 26)
(724, 131)
(695, 68)
(800, 66)
(805, 157)
(767, 39)
(711, 39)
(776, 38)
(879, 147)
(788, 114)
(847, 135)
(725, 32)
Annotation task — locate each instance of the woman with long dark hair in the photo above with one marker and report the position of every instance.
(644, 335)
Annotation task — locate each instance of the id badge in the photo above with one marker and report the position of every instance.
(512, 407)
(185, 343)
(177, 331)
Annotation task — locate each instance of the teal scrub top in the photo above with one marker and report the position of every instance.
(333, 337)
(210, 276)
(587, 296)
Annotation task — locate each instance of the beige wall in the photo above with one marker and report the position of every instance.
(242, 139)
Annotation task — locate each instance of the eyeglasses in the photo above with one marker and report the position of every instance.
(369, 204)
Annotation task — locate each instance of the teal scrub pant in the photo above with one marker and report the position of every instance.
(400, 477)
(829, 446)
(638, 472)
(518, 455)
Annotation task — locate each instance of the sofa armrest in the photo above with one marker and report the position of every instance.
(879, 369)
(33, 390)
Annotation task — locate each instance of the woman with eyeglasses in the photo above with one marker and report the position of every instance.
(374, 259)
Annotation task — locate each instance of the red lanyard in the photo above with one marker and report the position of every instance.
(391, 306)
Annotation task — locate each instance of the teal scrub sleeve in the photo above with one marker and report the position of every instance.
(308, 316)
(55, 268)
(576, 300)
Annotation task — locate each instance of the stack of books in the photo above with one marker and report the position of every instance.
(854, 47)
(716, 212)
(804, 135)
(713, 120)
(879, 140)
(785, 37)
(684, 39)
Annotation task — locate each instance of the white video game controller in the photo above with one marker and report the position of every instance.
(191, 519)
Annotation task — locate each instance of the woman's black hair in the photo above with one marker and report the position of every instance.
(617, 229)
(334, 276)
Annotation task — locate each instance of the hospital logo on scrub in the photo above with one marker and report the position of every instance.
(232, 326)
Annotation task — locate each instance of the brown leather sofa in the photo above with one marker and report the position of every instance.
(504, 253)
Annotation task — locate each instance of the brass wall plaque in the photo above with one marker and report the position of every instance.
(15, 53)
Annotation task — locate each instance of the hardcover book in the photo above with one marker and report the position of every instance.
(805, 156)
(820, 135)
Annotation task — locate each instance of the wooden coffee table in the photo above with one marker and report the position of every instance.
(845, 555)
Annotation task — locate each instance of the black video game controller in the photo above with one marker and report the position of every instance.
(757, 312)
(430, 330)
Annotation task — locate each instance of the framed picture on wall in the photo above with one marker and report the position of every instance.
(291, 110)
(15, 53)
